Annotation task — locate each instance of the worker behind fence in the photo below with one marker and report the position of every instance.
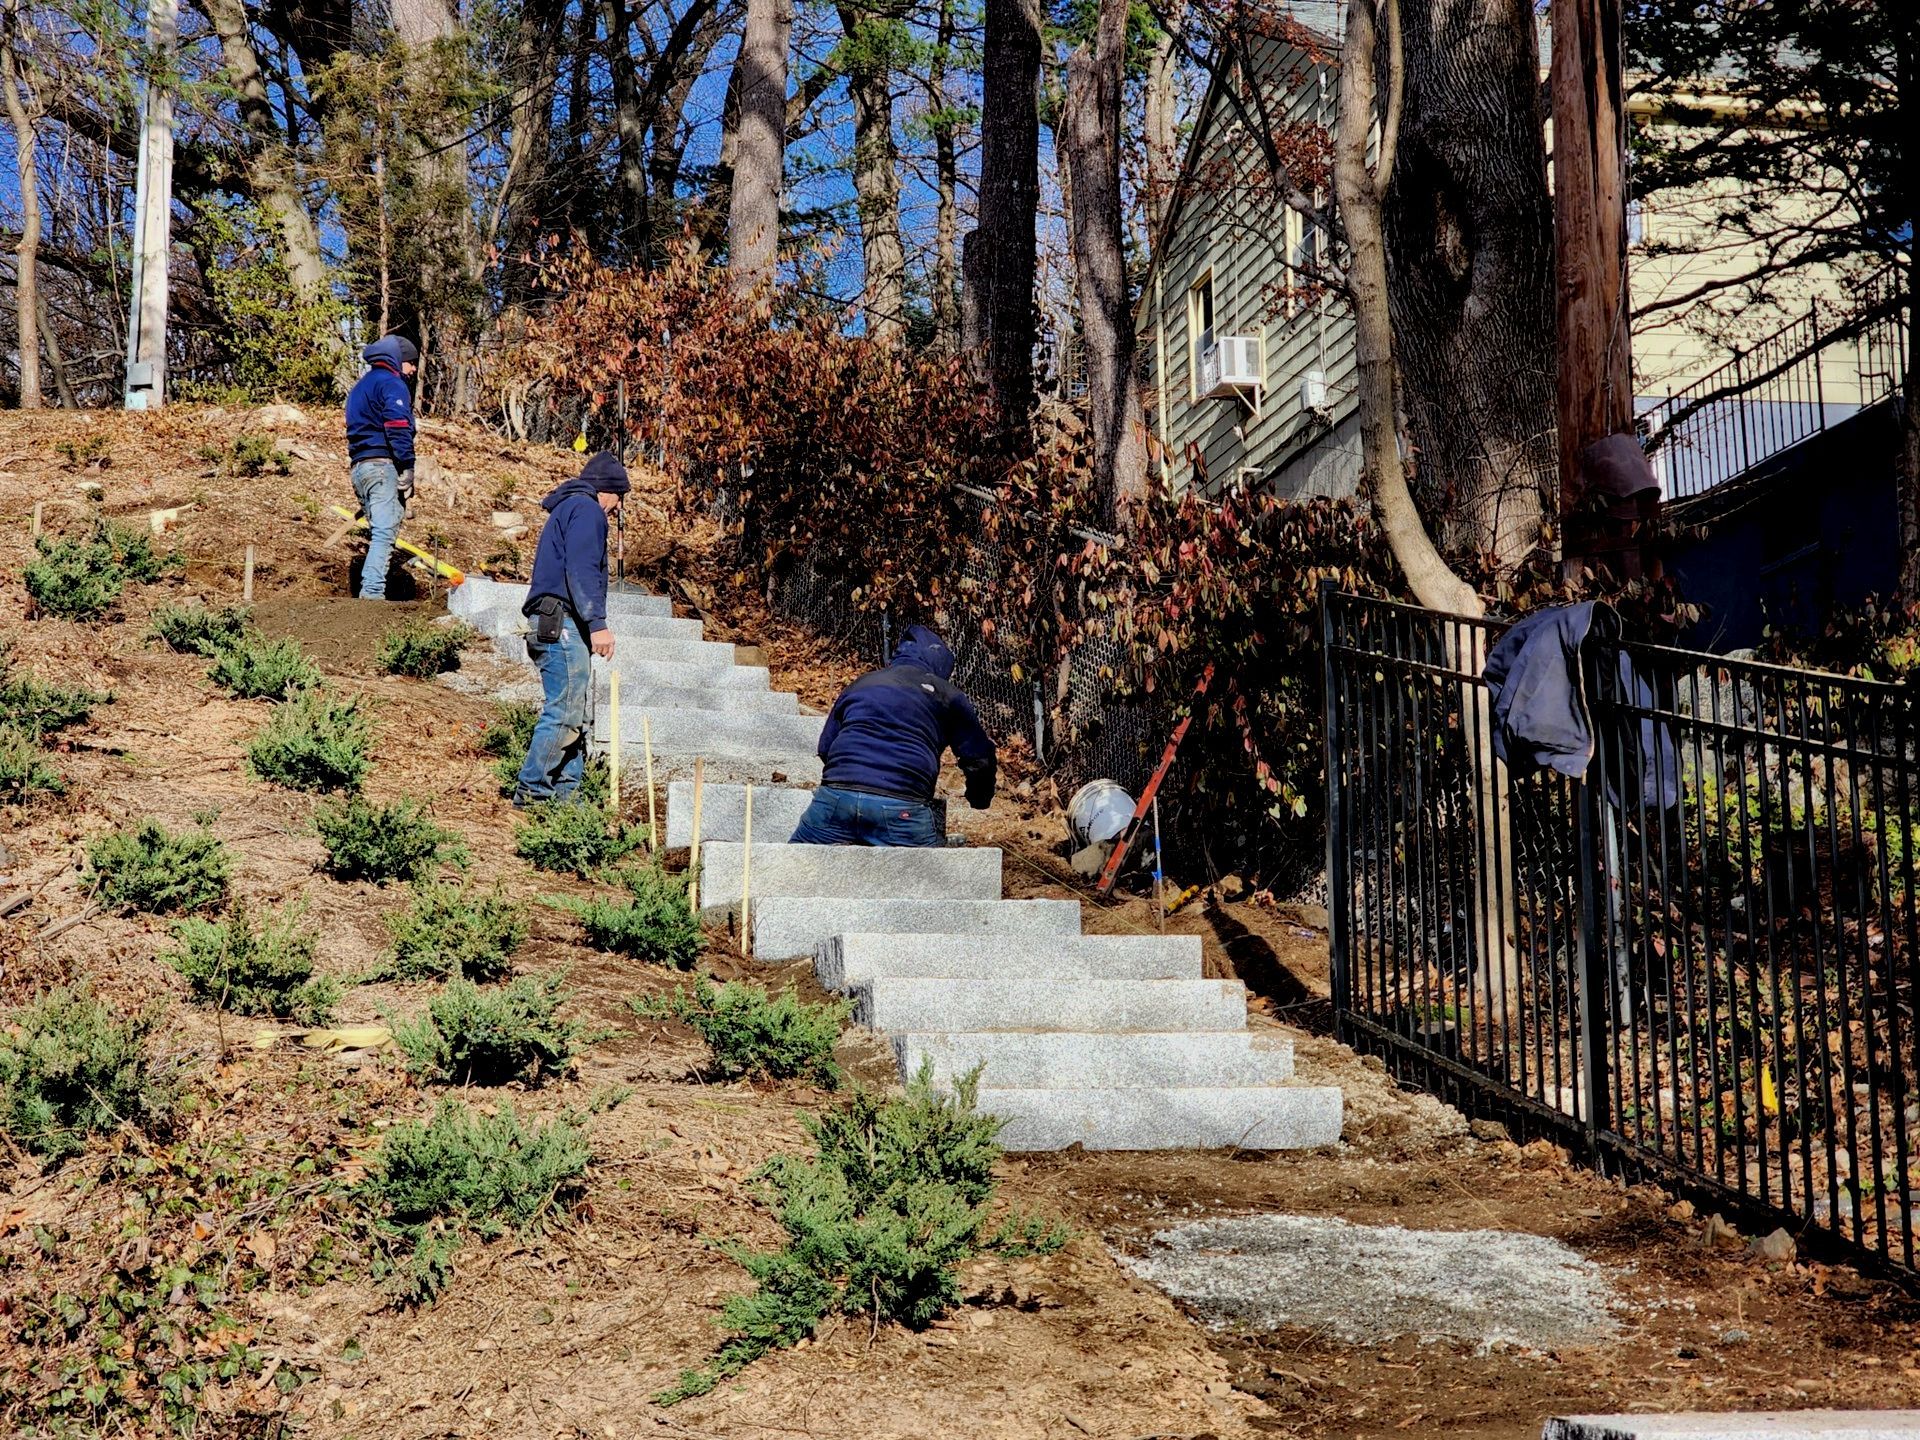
(380, 450)
(566, 611)
(880, 752)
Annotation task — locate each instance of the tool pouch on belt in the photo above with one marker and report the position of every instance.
(547, 613)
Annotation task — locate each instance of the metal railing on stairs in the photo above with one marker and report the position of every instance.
(1830, 363)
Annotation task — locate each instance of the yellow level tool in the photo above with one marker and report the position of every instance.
(451, 574)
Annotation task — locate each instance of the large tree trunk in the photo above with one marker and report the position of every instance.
(26, 286)
(1000, 257)
(424, 27)
(630, 126)
(876, 181)
(1595, 382)
(1359, 188)
(760, 146)
(946, 187)
(1469, 229)
(1163, 159)
(270, 171)
(533, 68)
(1090, 142)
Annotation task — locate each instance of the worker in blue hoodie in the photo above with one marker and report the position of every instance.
(380, 449)
(567, 607)
(880, 752)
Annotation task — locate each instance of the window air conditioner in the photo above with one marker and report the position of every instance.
(1231, 366)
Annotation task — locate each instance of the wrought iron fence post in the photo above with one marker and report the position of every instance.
(1339, 883)
(1592, 985)
(1819, 378)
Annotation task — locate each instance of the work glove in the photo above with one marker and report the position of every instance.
(406, 490)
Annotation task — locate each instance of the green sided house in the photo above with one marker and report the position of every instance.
(1248, 364)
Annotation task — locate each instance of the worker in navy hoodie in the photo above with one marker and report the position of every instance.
(880, 752)
(380, 449)
(567, 610)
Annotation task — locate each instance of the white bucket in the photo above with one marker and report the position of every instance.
(1097, 813)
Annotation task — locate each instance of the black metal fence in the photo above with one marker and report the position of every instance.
(1700, 959)
(1832, 362)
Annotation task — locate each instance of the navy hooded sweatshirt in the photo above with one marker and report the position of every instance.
(380, 408)
(571, 561)
(885, 733)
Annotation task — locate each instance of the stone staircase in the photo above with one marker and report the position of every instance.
(1114, 1042)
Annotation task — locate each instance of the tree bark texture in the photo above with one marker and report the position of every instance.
(1090, 144)
(1001, 252)
(1358, 190)
(946, 186)
(533, 70)
(56, 362)
(1469, 229)
(1163, 157)
(1595, 384)
(26, 285)
(760, 145)
(630, 126)
(270, 170)
(876, 178)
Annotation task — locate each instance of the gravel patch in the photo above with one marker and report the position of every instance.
(1366, 1284)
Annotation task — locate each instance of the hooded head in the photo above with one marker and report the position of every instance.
(927, 650)
(392, 351)
(606, 474)
(602, 475)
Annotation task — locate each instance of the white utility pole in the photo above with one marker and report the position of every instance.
(153, 217)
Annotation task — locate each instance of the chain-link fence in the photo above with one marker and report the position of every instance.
(1085, 725)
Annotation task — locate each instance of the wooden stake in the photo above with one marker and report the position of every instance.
(693, 862)
(646, 735)
(1159, 893)
(246, 585)
(613, 740)
(37, 506)
(746, 879)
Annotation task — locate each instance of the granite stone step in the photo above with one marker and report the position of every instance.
(883, 1002)
(1069, 1060)
(477, 592)
(845, 872)
(696, 732)
(1249, 1117)
(776, 810)
(790, 927)
(505, 621)
(850, 959)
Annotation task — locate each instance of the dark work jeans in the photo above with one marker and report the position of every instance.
(847, 817)
(556, 758)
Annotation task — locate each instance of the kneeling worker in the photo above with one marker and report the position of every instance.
(567, 610)
(881, 750)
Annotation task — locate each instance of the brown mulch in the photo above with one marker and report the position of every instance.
(570, 1333)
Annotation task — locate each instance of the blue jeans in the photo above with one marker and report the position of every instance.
(557, 756)
(377, 484)
(846, 817)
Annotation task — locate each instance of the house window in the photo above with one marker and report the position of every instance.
(1199, 328)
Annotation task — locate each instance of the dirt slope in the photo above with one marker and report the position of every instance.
(569, 1334)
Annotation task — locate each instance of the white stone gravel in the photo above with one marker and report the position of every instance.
(1366, 1284)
